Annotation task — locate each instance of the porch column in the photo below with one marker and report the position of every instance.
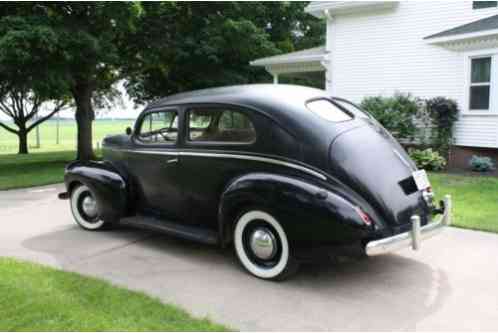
(275, 78)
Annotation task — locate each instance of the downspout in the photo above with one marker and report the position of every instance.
(327, 62)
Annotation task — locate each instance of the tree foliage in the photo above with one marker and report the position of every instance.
(26, 83)
(77, 45)
(83, 48)
(200, 45)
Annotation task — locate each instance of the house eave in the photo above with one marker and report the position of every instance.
(323, 9)
(267, 62)
(463, 37)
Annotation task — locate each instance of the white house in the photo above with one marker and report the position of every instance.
(427, 48)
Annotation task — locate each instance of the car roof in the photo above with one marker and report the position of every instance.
(249, 94)
(282, 102)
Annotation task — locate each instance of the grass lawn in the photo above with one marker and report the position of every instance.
(38, 298)
(67, 135)
(475, 199)
(17, 171)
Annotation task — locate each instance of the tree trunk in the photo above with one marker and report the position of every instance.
(23, 141)
(84, 116)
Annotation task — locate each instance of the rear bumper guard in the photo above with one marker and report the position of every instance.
(414, 237)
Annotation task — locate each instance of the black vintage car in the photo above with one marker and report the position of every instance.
(282, 172)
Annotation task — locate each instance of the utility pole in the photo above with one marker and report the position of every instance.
(57, 119)
(37, 132)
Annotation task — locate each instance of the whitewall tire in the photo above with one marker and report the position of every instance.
(262, 246)
(84, 207)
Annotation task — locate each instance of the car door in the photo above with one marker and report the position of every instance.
(154, 163)
(214, 135)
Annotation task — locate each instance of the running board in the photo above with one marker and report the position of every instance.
(192, 233)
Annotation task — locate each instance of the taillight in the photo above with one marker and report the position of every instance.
(364, 216)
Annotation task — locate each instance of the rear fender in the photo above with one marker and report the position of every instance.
(308, 212)
(108, 185)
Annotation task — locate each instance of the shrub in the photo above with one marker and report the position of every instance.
(481, 163)
(396, 113)
(427, 159)
(443, 113)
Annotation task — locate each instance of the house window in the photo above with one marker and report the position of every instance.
(480, 83)
(484, 4)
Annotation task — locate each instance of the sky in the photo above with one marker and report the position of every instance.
(124, 109)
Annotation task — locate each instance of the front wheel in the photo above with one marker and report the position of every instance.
(262, 247)
(84, 207)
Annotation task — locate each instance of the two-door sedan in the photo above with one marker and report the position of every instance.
(281, 172)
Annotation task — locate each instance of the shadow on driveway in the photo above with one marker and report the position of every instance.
(389, 292)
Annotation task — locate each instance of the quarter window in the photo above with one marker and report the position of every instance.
(480, 83)
(220, 125)
(159, 127)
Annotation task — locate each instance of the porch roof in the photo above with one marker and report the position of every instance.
(308, 55)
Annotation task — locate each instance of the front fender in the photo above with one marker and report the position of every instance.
(108, 185)
(309, 213)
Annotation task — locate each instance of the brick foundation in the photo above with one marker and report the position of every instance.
(460, 156)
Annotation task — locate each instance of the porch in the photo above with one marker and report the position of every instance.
(309, 64)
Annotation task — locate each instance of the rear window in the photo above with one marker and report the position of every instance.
(328, 111)
(352, 108)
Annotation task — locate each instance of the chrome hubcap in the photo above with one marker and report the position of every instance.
(89, 206)
(263, 243)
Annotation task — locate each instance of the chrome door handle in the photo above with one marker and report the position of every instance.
(172, 160)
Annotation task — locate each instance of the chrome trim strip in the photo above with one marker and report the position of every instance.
(223, 155)
(148, 152)
(414, 237)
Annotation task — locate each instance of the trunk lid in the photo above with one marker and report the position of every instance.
(372, 162)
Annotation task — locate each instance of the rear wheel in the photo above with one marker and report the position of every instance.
(84, 207)
(262, 247)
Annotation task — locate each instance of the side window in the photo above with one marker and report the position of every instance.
(159, 128)
(220, 125)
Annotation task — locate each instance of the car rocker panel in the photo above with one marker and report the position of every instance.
(275, 170)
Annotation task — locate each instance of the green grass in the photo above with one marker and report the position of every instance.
(38, 298)
(18, 171)
(475, 199)
(67, 131)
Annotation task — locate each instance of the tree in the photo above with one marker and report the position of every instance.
(184, 46)
(25, 85)
(21, 106)
(85, 44)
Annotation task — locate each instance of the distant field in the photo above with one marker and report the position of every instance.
(67, 132)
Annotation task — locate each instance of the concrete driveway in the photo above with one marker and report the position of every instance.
(451, 284)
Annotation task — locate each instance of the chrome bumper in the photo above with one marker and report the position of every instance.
(414, 237)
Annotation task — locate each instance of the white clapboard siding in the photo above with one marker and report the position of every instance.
(383, 51)
(481, 131)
